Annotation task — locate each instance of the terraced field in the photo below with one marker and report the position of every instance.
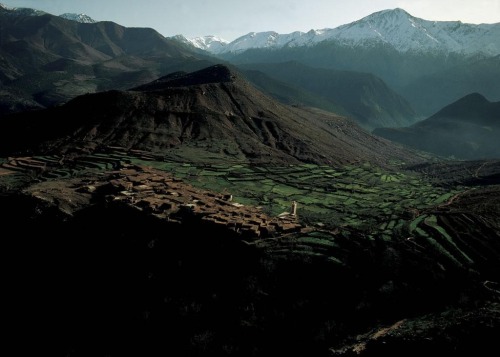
(377, 203)
(362, 197)
(378, 246)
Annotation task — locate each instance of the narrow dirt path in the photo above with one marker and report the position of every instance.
(476, 173)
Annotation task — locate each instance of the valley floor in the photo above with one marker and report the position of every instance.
(129, 254)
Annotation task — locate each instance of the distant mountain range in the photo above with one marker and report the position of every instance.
(360, 70)
(429, 63)
(466, 129)
(395, 28)
(361, 96)
(393, 251)
(22, 11)
(48, 60)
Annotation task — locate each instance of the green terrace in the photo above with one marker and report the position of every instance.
(363, 197)
(379, 204)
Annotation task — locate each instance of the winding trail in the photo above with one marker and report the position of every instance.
(453, 199)
(476, 174)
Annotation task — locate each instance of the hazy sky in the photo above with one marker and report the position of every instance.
(230, 19)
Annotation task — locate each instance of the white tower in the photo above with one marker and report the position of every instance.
(293, 211)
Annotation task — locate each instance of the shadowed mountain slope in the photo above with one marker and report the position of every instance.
(46, 59)
(467, 129)
(208, 115)
(429, 92)
(363, 96)
(430, 63)
(290, 94)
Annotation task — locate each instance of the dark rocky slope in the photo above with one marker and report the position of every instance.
(47, 60)
(209, 115)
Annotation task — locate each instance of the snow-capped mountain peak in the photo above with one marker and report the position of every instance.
(21, 11)
(396, 28)
(82, 18)
(208, 43)
(272, 39)
(405, 32)
(396, 15)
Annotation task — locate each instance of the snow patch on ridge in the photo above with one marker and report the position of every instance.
(82, 18)
(21, 11)
(208, 43)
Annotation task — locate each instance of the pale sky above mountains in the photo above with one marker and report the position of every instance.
(230, 19)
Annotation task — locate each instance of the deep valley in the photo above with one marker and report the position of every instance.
(330, 197)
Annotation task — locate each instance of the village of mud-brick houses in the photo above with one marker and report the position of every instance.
(158, 193)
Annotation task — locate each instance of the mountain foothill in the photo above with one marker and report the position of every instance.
(214, 110)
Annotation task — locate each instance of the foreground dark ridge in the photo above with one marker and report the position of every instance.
(136, 262)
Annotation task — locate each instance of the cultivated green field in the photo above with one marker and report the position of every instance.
(381, 205)
(360, 196)
(376, 203)
(364, 196)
